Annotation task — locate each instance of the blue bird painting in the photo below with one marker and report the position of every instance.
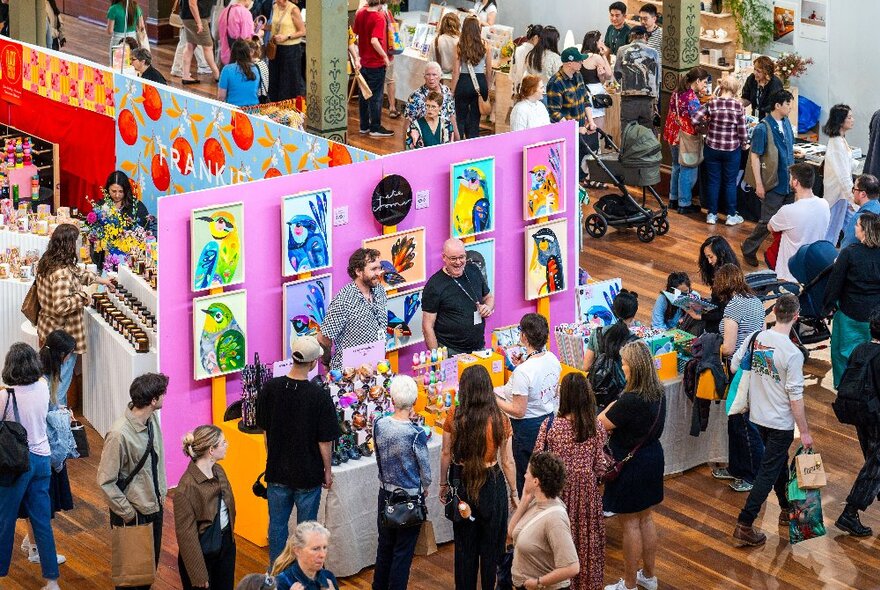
(399, 331)
(307, 324)
(307, 237)
(220, 256)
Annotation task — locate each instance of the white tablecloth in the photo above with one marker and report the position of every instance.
(109, 366)
(349, 511)
(409, 73)
(138, 287)
(28, 334)
(12, 292)
(682, 451)
(23, 241)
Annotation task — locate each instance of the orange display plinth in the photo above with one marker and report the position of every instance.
(245, 460)
(494, 363)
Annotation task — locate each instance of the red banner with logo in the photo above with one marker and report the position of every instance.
(10, 71)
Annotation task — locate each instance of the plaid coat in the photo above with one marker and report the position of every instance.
(62, 298)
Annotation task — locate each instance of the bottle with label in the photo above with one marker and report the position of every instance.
(15, 196)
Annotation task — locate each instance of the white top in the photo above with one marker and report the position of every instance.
(538, 378)
(550, 64)
(224, 514)
(445, 54)
(518, 67)
(528, 114)
(838, 180)
(33, 407)
(803, 222)
(777, 379)
(483, 13)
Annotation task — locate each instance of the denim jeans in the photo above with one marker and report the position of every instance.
(746, 448)
(31, 489)
(840, 216)
(394, 554)
(66, 377)
(722, 169)
(282, 499)
(371, 109)
(525, 433)
(773, 474)
(682, 181)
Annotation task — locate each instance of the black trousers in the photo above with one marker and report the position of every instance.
(867, 484)
(467, 105)
(221, 567)
(772, 474)
(285, 73)
(156, 518)
(394, 554)
(479, 544)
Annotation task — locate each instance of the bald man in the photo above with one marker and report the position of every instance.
(456, 302)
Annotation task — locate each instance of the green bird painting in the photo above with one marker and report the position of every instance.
(222, 343)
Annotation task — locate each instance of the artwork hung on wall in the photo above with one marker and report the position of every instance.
(543, 179)
(482, 254)
(305, 304)
(594, 301)
(217, 246)
(306, 236)
(472, 197)
(219, 334)
(402, 257)
(392, 200)
(546, 258)
(404, 320)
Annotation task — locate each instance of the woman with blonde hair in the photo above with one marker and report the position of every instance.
(529, 110)
(445, 44)
(471, 77)
(635, 422)
(301, 564)
(204, 514)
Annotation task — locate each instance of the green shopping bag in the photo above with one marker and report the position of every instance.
(804, 509)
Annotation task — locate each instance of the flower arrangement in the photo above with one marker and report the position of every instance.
(111, 231)
(791, 65)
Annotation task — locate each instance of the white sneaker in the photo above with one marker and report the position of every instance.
(620, 585)
(734, 220)
(25, 545)
(608, 514)
(34, 556)
(646, 583)
(711, 219)
(204, 71)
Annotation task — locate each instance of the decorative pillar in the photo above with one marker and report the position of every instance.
(27, 21)
(680, 49)
(327, 71)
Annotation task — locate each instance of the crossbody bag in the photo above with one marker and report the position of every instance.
(616, 467)
(400, 510)
(690, 145)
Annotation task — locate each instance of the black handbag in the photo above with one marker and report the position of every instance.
(401, 510)
(453, 494)
(15, 456)
(602, 101)
(616, 467)
(80, 438)
(259, 488)
(211, 538)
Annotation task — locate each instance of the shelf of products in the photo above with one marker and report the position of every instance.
(706, 64)
(716, 40)
(42, 154)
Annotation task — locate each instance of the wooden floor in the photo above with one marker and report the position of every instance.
(694, 521)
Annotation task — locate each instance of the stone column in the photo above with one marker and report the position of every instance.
(327, 71)
(27, 21)
(680, 50)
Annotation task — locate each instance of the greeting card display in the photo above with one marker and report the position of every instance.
(546, 258)
(219, 334)
(306, 236)
(472, 197)
(217, 246)
(402, 256)
(543, 179)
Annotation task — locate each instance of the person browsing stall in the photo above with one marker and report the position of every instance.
(617, 34)
(455, 303)
(866, 197)
(358, 314)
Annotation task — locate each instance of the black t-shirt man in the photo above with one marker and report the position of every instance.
(454, 300)
(296, 415)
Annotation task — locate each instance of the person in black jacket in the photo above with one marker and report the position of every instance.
(760, 86)
(119, 192)
(142, 62)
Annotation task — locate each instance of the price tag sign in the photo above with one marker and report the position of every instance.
(422, 199)
(340, 216)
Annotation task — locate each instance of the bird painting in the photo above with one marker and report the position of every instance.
(543, 192)
(307, 237)
(548, 254)
(471, 211)
(307, 324)
(399, 331)
(403, 255)
(219, 257)
(222, 343)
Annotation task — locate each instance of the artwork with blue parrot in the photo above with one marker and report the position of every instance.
(222, 343)
(548, 255)
(314, 307)
(471, 212)
(399, 331)
(403, 255)
(220, 256)
(307, 237)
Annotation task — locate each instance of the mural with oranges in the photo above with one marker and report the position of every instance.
(170, 141)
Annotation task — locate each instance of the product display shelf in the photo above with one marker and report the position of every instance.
(22, 240)
(138, 287)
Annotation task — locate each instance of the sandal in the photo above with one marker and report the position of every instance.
(394, 114)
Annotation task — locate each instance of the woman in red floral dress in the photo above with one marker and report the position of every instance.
(578, 439)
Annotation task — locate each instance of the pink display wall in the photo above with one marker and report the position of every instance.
(189, 402)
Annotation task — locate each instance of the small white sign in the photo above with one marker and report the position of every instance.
(422, 199)
(340, 216)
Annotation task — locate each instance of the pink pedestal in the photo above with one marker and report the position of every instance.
(22, 177)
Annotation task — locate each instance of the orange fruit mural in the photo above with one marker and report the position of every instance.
(214, 155)
(152, 102)
(242, 130)
(128, 127)
(160, 172)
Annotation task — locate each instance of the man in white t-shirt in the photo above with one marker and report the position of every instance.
(776, 404)
(531, 395)
(803, 222)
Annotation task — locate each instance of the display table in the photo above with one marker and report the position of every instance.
(23, 241)
(138, 287)
(12, 293)
(681, 451)
(109, 366)
(28, 334)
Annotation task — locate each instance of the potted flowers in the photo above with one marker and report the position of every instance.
(791, 65)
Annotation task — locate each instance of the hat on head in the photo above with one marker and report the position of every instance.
(638, 30)
(305, 349)
(572, 54)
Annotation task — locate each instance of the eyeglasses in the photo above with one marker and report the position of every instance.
(856, 189)
(455, 258)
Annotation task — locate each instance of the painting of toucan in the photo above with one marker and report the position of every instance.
(473, 197)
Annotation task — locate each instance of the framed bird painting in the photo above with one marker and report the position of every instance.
(402, 256)
(404, 320)
(305, 304)
(306, 232)
(217, 246)
(546, 258)
(482, 254)
(544, 179)
(472, 197)
(219, 334)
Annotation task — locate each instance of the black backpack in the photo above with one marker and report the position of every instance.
(14, 451)
(857, 402)
(606, 375)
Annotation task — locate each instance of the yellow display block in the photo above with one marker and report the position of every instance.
(494, 363)
(245, 460)
(666, 365)
(566, 369)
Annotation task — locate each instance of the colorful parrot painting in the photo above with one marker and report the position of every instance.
(403, 255)
(307, 324)
(222, 344)
(307, 237)
(219, 257)
(472, 211)
(548, 254)
(399, 332)
(544, 197)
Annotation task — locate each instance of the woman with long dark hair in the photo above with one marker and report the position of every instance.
(666, 316)
(474, 63)
(578, 439)
(124, 20)
(544, 60)
(240, 79)
(518, 65)
(625, 306)
(683, 106)
(596, 70)
(119, 194)
(486, 11)
(715, 252)
(838, 178)
(477, 458)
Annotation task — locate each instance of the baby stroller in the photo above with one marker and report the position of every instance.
(811, 266)
(637, 163)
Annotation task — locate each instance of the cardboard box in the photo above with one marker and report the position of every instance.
(666, 365)
(494, 363)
